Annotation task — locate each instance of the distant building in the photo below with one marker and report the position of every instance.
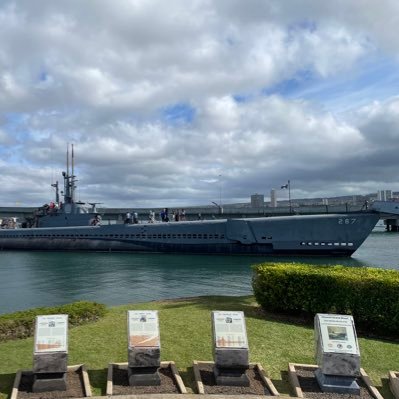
(273, 198)
(325, 201)
(384, 195)
(257, 200)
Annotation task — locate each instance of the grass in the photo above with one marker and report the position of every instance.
(186, 336)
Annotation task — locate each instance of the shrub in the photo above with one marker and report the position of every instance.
(22, 324)
(371, 295)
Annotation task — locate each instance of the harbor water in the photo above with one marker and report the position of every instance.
(31, 279)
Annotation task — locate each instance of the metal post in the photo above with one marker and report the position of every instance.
(289, 195)
(220, 192)
(73, 175)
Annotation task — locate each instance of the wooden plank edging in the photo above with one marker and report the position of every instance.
(165, 364)
(17, 381)
(266, 380)
(293, 378)
(81, 367)
(197, 376)
(373, 390)
(200, 386)
(177, 377)
(109, 379)
(394, 383)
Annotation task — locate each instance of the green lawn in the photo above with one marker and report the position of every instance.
(186, 336)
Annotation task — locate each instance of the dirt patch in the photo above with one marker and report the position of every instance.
(75, 387)
(310, 387)
(121, 385)
(256, 384)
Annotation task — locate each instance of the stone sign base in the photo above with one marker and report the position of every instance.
(336, 383)
(49, 382)
(231, 376)
(394, 383)
(30, 375)
(159, 387)
(143, 376)
(295, 369)
(56, 362)
(265, 382)
(144, 357)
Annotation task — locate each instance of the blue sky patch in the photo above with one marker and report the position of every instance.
(242, 98)
(291, 87)
(43, 76)
(178, 113)
(375, 79)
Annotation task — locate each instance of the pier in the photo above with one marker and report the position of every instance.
(391, 224)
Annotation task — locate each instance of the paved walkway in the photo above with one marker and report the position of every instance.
(186, 396)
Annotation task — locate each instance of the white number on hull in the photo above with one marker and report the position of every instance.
(347, 221)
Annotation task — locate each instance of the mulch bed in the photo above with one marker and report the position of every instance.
(75, 387)
(311, 389)
(256, 384)
(120, 382)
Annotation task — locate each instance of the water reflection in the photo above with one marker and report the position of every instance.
(30, 279)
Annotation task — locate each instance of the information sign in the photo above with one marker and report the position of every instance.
(51, 333)
(143, 328)
(229, 329)
(338, 334)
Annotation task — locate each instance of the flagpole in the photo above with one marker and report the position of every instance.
(289, 195)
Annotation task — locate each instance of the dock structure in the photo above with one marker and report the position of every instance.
(391, 224)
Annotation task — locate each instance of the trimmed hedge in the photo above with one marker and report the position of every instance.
(22, 324)
(371, 295)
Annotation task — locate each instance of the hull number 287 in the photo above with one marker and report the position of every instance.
(346, 220)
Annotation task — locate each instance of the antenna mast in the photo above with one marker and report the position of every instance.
(57, 194)
(73, 176)
(67, 156)
(69, 180)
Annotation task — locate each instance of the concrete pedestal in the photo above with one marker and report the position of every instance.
(143, 376)
(50, 370)
(231, 357)
(144, 357)
(337, 383)
(46, 382)
(50, 363)
(231, 376)
(339, 364)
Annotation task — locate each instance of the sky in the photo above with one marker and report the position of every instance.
(179, 103)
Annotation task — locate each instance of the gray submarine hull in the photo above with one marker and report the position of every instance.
(328, 234)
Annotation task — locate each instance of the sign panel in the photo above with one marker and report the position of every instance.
(229, 329)
(51, 333)
(143, 328)
(338, 334)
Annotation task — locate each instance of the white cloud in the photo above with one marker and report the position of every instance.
(331, 49)
(104, 77)
(146, 55)
(5, 138)
(379, 123)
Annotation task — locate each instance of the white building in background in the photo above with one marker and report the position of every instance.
(257, 200)
(324, 201)
(273, 198)
(384, 195)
